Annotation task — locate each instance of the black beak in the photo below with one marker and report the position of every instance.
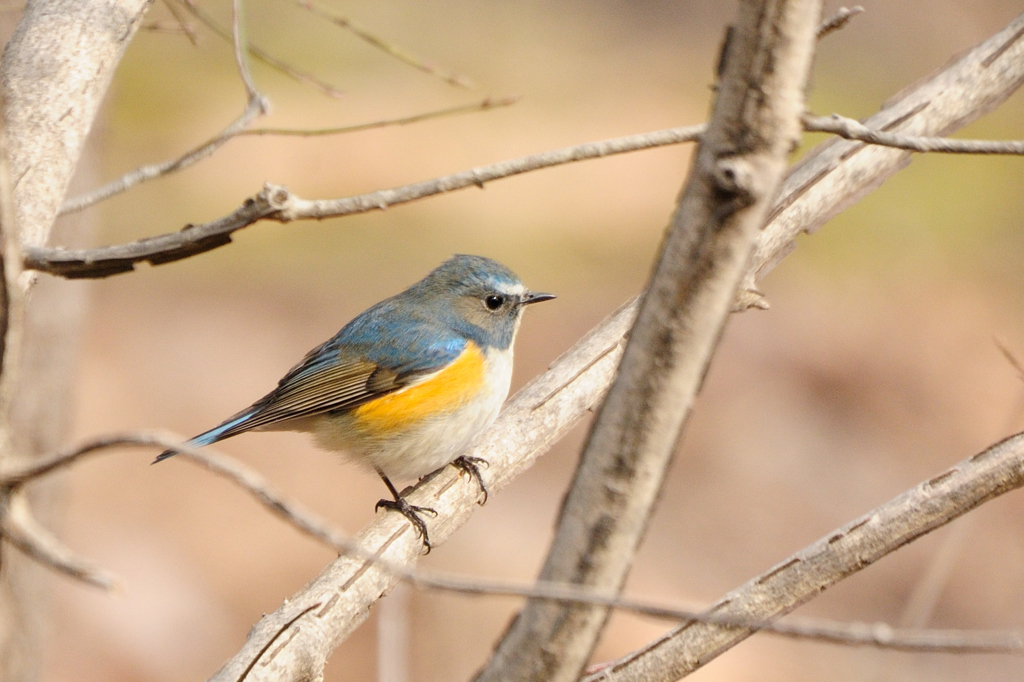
(530, 297)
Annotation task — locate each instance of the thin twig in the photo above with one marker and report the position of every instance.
(240, 46)
(277, 203)
(262, 54)
(18, 527)
(879, 635)
(855, 130)
(255, 108)
(185, 26)
(240, 128)
(927, 506)
(382, 44)
(483, 105)
(1011, 357)
(195, 239)
(838, 20)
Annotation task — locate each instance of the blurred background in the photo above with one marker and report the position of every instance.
(875, 368)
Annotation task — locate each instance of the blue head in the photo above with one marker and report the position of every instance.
(478, 297)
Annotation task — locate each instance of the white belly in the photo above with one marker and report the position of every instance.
(427, 445)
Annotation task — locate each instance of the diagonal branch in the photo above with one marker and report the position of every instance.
(838, 173)
(18, 527)
(46, 549)
(383, 45)
(260, 53)
(737, 167)
(849, 549)
(239, 128)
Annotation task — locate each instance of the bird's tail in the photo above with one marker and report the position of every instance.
(225, 430)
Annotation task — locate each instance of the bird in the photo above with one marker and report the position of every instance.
(408, 384)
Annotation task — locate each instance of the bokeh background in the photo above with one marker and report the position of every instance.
(875, 368)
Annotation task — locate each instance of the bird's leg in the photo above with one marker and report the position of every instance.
(471, 466)
(409, 511)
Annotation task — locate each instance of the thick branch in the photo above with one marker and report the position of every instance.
(738, 165)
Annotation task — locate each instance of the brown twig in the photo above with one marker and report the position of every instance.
(855, 130)
(18, 527)
(277, 203)
(195, 239)
(261, 54)
(860, 543)
(38, 543)
(837, 21)
(186, 27)
(381, 44)
(256, 105)
(240, 128)
(483, 105)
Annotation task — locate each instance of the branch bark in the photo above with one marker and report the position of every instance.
(839, 554)
(838, 173)
(595, 367)
(737, 168)
(55, 71)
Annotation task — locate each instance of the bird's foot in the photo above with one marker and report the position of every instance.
(471, 466)
(411, 512)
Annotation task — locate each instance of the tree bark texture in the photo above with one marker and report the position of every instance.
(56, 69)
(737, 168)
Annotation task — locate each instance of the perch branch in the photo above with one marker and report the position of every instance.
(27, 535)
(737, 167)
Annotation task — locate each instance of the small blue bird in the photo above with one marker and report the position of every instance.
(407, 385)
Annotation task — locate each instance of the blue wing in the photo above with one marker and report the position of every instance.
(375, 354)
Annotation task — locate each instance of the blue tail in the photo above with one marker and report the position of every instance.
(231, 427)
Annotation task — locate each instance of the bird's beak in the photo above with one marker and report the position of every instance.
(530, 297)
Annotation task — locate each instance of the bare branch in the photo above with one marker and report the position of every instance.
(837, 20)
(276, 203)
(838, 173)
(386, 46)
(255, 108)
(19, 528)
(240, 46)
(839, 554)
(483, 105)
(1011, 357)
(738, 165)
(186, 27)
(879, 635)
(855, 130)
(339, 599)
(262, 54)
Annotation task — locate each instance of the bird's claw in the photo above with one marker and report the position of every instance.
(412, 513)
(471, 466)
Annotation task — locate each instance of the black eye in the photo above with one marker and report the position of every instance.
(494, 301)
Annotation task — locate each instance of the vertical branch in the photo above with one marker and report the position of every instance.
(54, 73)
(736, 171)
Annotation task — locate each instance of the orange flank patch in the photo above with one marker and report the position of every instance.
(446, 391)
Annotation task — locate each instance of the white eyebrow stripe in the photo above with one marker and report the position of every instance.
(511, 290)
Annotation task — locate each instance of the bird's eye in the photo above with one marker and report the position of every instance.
(494, 301)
